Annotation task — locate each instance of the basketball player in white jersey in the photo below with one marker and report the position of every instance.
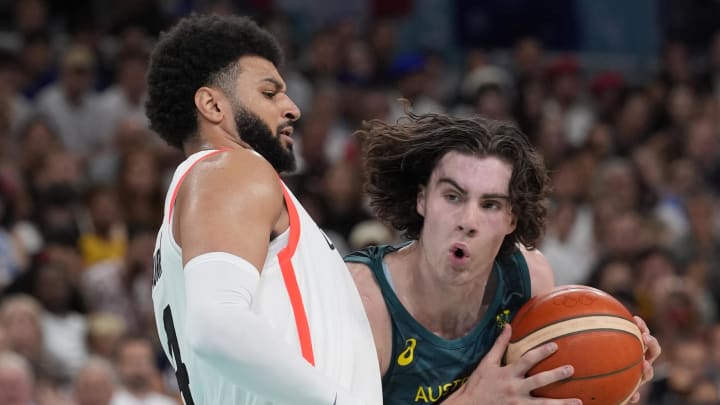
(253, 303)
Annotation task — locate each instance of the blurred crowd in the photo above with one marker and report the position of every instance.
(634, 209)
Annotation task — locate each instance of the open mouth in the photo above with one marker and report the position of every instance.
(287, 131)
(286, 134)
(459, 251)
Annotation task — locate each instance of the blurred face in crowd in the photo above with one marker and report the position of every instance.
(38, 139)
(681, 105)
(104, 210)
(617, 182)
(94, 385)
(61, 168)
(52, 287)
(31, 15)
(16, 386)
(342, 187)
(633, 118)
(135, 364)
(686, 365)
(131, 78)
(617, 276)
(528, 56)
(703, 143)
(21, 321)
(141, 174)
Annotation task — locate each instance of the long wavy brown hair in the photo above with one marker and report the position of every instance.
(399, 158)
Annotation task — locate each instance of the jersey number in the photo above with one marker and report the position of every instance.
(180, 370)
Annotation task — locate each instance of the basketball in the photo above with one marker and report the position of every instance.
(595, 334)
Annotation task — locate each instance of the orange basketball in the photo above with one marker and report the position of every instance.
(595, 334)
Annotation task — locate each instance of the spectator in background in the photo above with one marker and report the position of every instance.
(105, 236)
(37, 63)
(139, 376)
(16, 380)
(64, 329)
(685, 373)
(105, 331)
(14, 258)
(140, 190)
(408, 70)
(703, 237)
(122, 287)
(37, 138)
(20, 316)
(606, 89)
(95, 383)
(126, 98)
(701, 144)
(528, 58)
(70, 103)
(567, 97)
(14, 107)
(631, 122)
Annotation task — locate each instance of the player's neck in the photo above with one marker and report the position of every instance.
(213, 137)
(447, 305)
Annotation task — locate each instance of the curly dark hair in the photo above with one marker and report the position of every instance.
(399, 158)
(201, 50)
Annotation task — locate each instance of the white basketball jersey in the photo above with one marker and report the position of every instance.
(340, 334)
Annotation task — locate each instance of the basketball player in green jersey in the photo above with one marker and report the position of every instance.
(468, 195)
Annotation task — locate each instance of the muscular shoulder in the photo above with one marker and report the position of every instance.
(542, 278)
(229, 202)
(376, 310)
(237, 172)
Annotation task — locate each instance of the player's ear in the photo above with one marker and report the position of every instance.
(420, 202)
(209, 104)
(513, 222)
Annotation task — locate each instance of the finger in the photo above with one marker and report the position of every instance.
(641, 324)
(635, 398)
(496, 353)
(533, 357)
(648, 372)
(652, 346)
(548, 377)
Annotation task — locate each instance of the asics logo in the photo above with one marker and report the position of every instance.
(406, 357)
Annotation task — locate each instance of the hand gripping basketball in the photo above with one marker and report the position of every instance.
(594, 332)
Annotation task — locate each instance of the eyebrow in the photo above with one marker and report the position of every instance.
(278, 85)
(454, 184)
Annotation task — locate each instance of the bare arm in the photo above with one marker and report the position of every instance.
(225, 215)
(542, 278)
(376, 311)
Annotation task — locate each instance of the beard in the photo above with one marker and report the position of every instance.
(258, 135)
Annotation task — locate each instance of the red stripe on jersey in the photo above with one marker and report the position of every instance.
(179, 183)
(288, 273)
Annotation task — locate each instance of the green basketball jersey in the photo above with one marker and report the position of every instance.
(425, 368)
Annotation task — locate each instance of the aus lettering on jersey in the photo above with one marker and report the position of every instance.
(431, 394)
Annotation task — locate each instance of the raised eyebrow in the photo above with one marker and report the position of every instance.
(496, 196)
(452, 183)
(279, 86)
